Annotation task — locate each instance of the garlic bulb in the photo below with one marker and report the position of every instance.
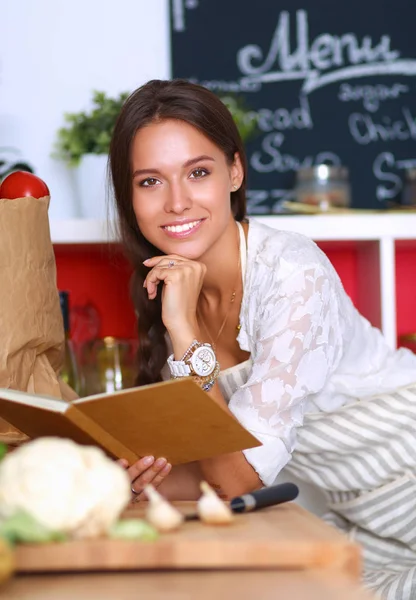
(211, 509)
(160, 513)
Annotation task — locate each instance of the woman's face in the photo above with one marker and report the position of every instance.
(181, 188)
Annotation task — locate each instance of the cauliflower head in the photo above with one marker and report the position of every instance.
(67, 487)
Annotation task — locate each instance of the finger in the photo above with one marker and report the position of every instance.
(161, 476)
(168, 263)
(151, 262)
(149, 475)
(162, 270)
(123, 463)
(164, 273)
(156, 275)
(151, 283)
(154, 260)
(163, 264)
(140, 467)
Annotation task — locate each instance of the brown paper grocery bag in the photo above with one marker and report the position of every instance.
(31, 327)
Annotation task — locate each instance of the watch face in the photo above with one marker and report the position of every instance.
(203, 361)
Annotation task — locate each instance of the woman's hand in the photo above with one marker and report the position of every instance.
(144, 471)
(182, 281)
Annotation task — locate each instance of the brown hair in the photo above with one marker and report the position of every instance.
(156, 101)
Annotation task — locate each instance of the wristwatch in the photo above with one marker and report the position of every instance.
(198, 361)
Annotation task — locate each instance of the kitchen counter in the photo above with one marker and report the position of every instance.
(200, 585)
(282, 550)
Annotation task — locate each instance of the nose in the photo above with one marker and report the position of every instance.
(177, 198)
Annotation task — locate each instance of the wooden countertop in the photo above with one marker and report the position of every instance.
(201, 585)
(283, 551)
(283, 537)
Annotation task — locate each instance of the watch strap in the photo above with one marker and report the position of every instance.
(178, 368)
(183, 367)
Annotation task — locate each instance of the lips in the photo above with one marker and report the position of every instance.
(182, 229)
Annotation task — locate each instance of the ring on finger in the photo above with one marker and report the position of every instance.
(135, 492)
(171, 264)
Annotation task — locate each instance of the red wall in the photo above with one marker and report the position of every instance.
(99, 274)
(406, 287)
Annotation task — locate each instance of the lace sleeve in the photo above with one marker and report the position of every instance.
(297, 343)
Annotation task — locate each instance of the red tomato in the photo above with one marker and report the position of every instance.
(21, 183)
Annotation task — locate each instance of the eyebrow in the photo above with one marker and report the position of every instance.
(188, 163)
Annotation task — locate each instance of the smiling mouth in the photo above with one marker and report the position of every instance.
(182, 228)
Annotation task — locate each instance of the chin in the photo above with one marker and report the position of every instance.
(190, 251)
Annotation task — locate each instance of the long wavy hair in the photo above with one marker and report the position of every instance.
(157, 101)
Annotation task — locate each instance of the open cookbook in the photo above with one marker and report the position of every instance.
(174, 419)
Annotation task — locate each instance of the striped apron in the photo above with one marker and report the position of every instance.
(363, 457)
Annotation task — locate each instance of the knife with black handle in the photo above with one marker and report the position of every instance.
(267, 496)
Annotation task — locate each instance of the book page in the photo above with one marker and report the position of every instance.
(173, 419)
(37, 422)
(46, 402)
(39, 416)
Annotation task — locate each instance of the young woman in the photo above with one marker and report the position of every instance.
(260, 318)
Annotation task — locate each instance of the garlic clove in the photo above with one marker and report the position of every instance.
(211, 509)
(160, 513)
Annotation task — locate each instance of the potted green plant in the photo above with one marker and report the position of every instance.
(89, 132)
(245, 118)
(84, 144)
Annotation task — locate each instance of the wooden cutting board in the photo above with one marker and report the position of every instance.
(284, 536)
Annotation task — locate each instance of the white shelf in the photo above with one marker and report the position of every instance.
(375, 234)
(319, 227)
(80, 231)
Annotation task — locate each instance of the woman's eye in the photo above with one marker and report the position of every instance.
(199, 173)
(149, 182)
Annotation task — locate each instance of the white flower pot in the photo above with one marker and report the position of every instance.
(93, 196)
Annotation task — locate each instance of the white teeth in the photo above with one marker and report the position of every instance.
(181, 228)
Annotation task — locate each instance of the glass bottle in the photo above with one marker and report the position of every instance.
(108, 365)
(69, 372)
(409, 190)
(323, 186)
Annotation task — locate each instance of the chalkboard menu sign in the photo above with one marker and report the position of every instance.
(330, 82)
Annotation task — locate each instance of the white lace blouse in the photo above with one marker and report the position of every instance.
(310, 348)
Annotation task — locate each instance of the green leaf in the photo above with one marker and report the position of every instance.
(133, 529)
(3, 450)
(245, 119)
(23, 528)
(90, 131)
